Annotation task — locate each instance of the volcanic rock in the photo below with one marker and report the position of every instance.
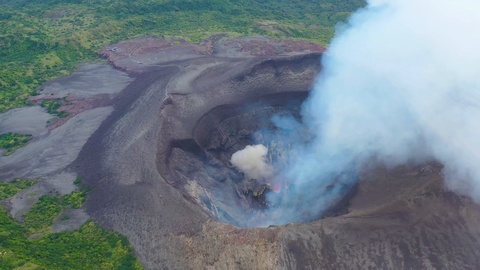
(156, 164)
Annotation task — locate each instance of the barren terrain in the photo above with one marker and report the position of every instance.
(130, 148)
(399, 219)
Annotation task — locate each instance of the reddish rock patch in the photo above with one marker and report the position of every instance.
(73, 105)
(139, 54)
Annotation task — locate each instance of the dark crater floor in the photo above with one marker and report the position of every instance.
(200, 166)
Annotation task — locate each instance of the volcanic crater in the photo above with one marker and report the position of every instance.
(160, 164)
(200, 166)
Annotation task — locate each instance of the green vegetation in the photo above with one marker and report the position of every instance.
(52, 106)
(43, 39)
(90, 247)
(43, 213)
(75, 199)
(12, 141)
(8, 189)
(48, 207)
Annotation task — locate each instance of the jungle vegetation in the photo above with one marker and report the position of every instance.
(32, 245)
(12, 141)
(44, 39)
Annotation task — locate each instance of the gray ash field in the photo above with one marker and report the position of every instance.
(147, 165)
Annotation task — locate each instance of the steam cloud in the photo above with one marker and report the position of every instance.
(251, 161)
(400, 83)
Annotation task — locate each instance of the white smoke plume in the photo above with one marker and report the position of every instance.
(400, 83)
(251, 161)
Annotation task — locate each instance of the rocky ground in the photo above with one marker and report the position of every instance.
(87, 96)
(401, 218)
(398, 219)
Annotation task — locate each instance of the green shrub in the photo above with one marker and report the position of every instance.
(52, 106)
(90, 247)
(12, 141)
(8, 189)
(43, 213)
(75, 199)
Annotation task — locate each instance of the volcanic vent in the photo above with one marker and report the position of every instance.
(230, 155)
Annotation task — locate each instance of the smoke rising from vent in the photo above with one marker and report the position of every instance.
(400, 83)
(251, 161)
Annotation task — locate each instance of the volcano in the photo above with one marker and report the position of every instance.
(160, 165)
